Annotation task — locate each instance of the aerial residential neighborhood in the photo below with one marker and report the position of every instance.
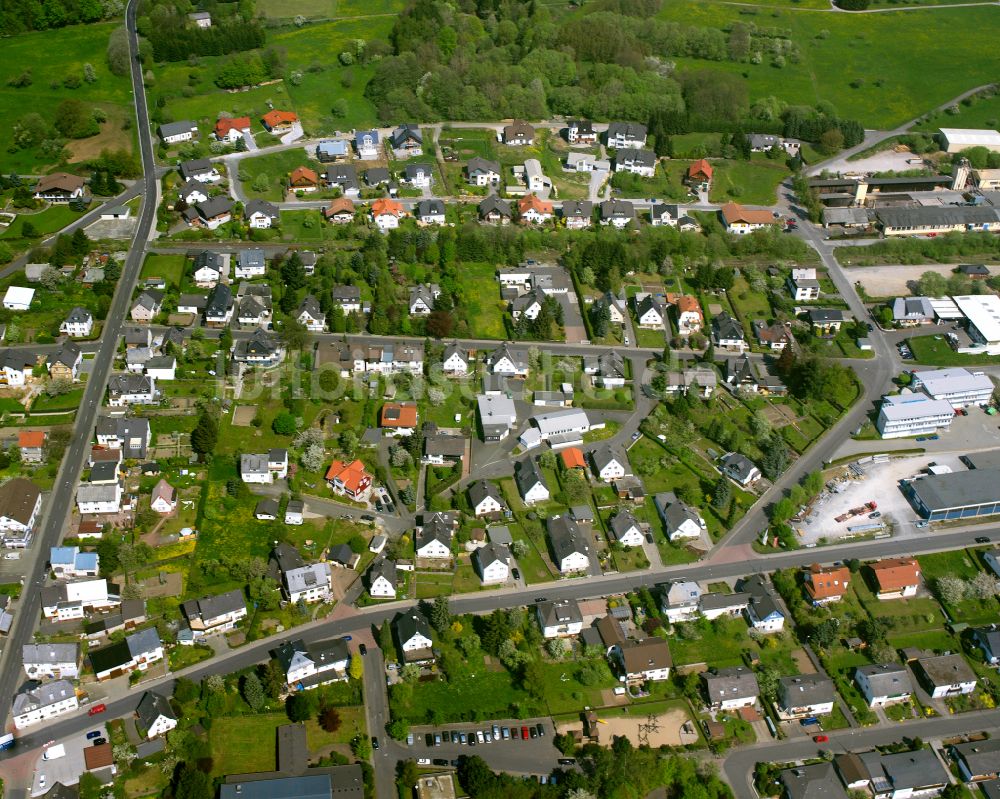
(388, 387)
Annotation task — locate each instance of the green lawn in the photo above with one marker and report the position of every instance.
(934, 351)
(719, 643)
(169, 267)
(751, 182)
(273, 168)
(52, 55)
(62, 402)
(326, 9)
(956, 563)
(480, 303)
(838, 49)
(47, 221)
(973, 113)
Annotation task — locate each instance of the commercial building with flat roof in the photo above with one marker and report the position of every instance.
(958, 495)
(983, 314)
(912, 415)
(958, 386)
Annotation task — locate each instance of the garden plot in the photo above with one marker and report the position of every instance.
(880, 485)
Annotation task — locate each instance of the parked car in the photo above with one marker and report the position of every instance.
(363, 650)
(515, 733)
(515, 573)
(429, 739)
(541, 730)
(440, 761)
(423, 761)
(567, 761)
(437, 739)
(374, 743)
(99, 708)
(409, 739)
(463, 738)
(982, 539)
(821, 739)
(100, 741)
(454, 737)
(480, 737)
(875, 515)
(524, 733)
(533, 732)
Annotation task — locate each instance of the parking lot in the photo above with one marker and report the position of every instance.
(66, 769)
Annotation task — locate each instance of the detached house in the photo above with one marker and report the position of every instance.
(645, 660)
(485, 499)
(310, 665)
(174, 132)
(79, 323)
(740, 221)
(146, 306)
(164, 498)
(232, 129)
(763, 612)
(731, 688)
(581, 131)
(687, 311)
(434, 535)
(430, 212)
(219, 306)
(279, 122)
(382, 579)
(310, 316)
(261, 214)
(946, 675)
(625, 529)
(610, 463)
(200, 169)
(59, 187)
(214, 614)
(534, 211)
(561, 619)
(31, 443)
(366, 142)
(650, 312)
(132, 389)
(212, 213)
(455, 360)
(210, 268)
(55, 661)
(308, 583)
(680, 519)
(530, 483)
(303, 179)
(805, 695)
(775, 337)
(43, 703)
(350, 479)
(826, 322)
(343, 177)
(570, 546)
(340, 211)
(492, 564)
(422, 298)
(264, 468)
(64, 363)
(577, 214)
(626, 134)
(699, 176)
(17, 368)
(250, 263)
(739, 468)
(637, 162)
(727, 332)
(413, 634)
(154, 715)
(407, 140)
(884, 684)
(897, 577)
(419, 176)
(617, 213)
(803, 285)
(386, 214)
(482, 172)
(680, 600)
(495, 211)
(518, 134)
(825, 584)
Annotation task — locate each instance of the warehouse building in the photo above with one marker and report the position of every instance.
(958, 386)
(983, 325)
(958, 495)
(954, 140)
(912, 414)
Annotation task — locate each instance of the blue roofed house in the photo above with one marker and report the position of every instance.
(68, 562)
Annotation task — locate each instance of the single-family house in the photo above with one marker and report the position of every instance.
(434, 535)
(382, 579)
(609, 462)
(174, 132)
(137, 652)
(763, 611)
(826, 584)
(407, 140)
(350, 479)
(310, 315)
(946, 675)
(699, 176)
(896, 577)
(883, 684)
(279, 122)
(581, 131)
(978, 760)
(146, 306)
(643, 660)
(211, 214)
(805, 695)
(680, 600)
(413, 634)
(534, 211)
(739, 221)
(398, 418)
(731, 688)
(386, 214)
(31, 444)
(79, 323)
(485, 499)
(366, 142)
(559, 619)
(727, 332)
(570, 545)
(739, 468)
(636, 162)
(232, 129)
(988, 641)
(775, 336)
(200, 169)
(219, 306)
(44, 702)
(687, 312)
(210, 268)
(492, 564)
(650, 312)
(430, 212)
(303, 179)
(340, 211)
(803, 284)
(625, 134)
(55, 661)
(680, 519)
(419, 176)
(215, 614)
(530, 483)
(826, 322)
(264, 468)
(261, 215)
(625, 529)
(64, 363)
(154, 715)
(342, 177)
(617, 213)
(307, 666)
(164, 498)
(132, 389)
(494, 211)
(59, 187)
(518, 134)
(482, 172)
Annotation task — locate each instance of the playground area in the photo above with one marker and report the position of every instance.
(671, 728)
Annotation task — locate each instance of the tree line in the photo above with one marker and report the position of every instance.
(173, 38)
(21, 16)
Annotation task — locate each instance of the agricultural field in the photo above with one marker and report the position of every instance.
(65, 51)
(872, 51)
(327, 9)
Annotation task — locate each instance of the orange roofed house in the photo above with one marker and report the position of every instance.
(533, 210)
(302, 178)
(699, 175)
(739, 220)
(399, 418)
(340, 211)
(231, 128)
(386, 214)
(279, 121)
(897, 577)
(572, 458)
(688, 310)
(350, 479)
(827, 584)
(32, 445)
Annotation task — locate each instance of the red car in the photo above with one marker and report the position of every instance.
(97, 709)
(821, 739)
(524, 733)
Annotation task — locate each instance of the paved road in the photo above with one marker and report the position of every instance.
(348, 620)
(61, 497)
(377, 714)
(739, 765)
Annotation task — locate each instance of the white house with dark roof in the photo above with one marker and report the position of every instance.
(250, 263)
(883, 684)
(317, 663)
(492, 564)
(731, 688)
(261, 214)
(680, 600)
(739, 468)
(485, 498)
(610, 462)
(413, 634)
(434, 535)
(310, 315)
(680, 519)
(79, 323)
(382, 579)
(625, 529)
(530, 483)
(264, 468)
(309, 583)
(422, 298)
(55, 661)
(45, 702)
(154, 714)
(570, 545)
(215, 614)
(560, 619)
(805, 695)
(455, 360)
